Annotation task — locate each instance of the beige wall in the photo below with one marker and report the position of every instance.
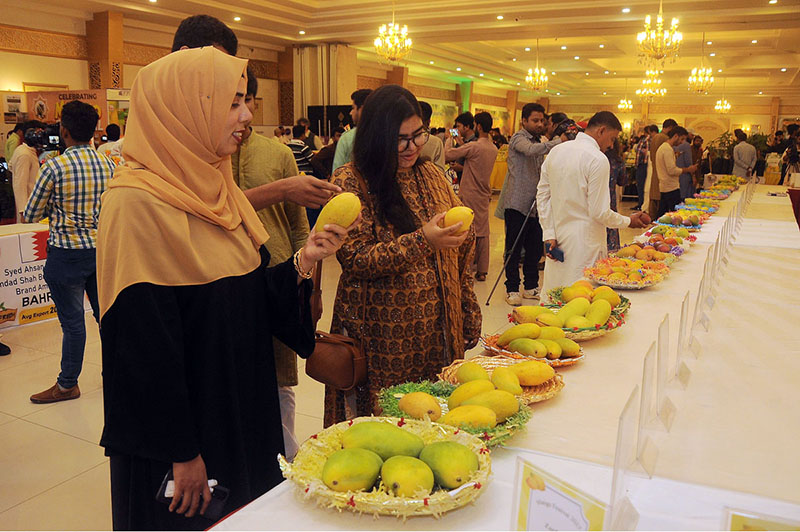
(17, 68)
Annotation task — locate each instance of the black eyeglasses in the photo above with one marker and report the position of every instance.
(419, 139)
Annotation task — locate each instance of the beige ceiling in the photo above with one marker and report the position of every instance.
(467, 34)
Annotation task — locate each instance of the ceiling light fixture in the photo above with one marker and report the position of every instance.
(537, 77)
(761, 92)
(651, 87)
(237, 19)
(501, 79)
(601, 46)
(709, 43)
(500, 17)
(659, 43)
(783, 70)
(773, 1)
(430, 62)
(754, 41)
(563, 46)
(393, 42)
(458, 69)
(301, 32)
(513, 58)
(605, 72)
(527, 48)
(719, 71)
(481, 74)
(626, 10)
(701, 79)
(625, 104)
(153, 1)
(712, 54)
(558, 94)
(576, 57)
(722, 106)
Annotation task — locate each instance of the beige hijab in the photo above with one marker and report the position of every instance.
(173, 215)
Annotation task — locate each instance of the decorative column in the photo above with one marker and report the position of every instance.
(104, 41)
(463, 96)
(398, 76)
(511, 107)
(286, 87)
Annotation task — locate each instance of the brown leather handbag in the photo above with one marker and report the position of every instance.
(338, 361)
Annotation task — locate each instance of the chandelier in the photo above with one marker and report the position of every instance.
(723, 105)
(702, 78)
(651, 87)
(625, 104)
(537, 77)
(393, 42)
(657, 44)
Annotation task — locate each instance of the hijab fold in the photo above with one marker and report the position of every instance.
(172, 214)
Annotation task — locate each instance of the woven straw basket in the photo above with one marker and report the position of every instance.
(489, 343)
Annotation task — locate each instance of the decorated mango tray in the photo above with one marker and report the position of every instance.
(489, 343)
(690, 207)
(441, 390)
(690, 228)
(530, 394)
(650, 280)
(305, 471)
(558, 301)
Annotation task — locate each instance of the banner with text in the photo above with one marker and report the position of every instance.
(24, 296)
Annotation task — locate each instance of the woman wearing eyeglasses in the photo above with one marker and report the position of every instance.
(421, 312)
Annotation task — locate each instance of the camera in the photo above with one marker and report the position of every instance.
(567, 127)
(45, 139)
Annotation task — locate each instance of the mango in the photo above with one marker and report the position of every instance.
(599, 312)
(572, 292)
(528, 347)
(528, 313)
(467, 390)
(553, 349)
(579, 322)
(419, 405)
(470, 371)
(533, 372)
(405, 476)
(506, 380)
(470, 416)
(605, 292)
(584, 283)
(384, 439)
(459, 214)
(342, 210)
(551, 333)
(523, 330)
(351, 470)
(617, 276)
(503, 403)
(549, 320)
(451, 462)
(576, 307)
(569, 348)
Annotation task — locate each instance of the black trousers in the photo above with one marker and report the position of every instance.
(531, 241)
(668, 201)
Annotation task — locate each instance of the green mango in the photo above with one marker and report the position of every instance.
(351, 470)
(452, 463)
(384, 439)
(405, 476)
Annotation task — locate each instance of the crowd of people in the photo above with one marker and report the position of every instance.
(195, 242)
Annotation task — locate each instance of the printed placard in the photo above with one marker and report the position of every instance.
(24, 295)
(746, 520)
(545, 502)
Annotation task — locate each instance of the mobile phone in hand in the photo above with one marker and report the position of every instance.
(453, 133)
(557, 253)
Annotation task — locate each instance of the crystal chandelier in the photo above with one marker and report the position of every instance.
(537, 77)
(702, 78)
(723, 105)
(651, 87)
(657, 44)
(393, 42)
(625, 104)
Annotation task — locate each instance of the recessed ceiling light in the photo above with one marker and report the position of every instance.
(518, 83)
(430, 62)
(553, 72)
(587, 73)
(527, 49)
(481, 74)
(709, 43)
(604, 94)
(558, 94)
(513, 58)
(237, 19)
(563, 47)
(605, 72)
(499, 17)
(301, 32)
(615, 73)
(576, 57)
(458, 69)
(547, 90)
(153, 1)
(783, 70)
(773, 1)
(626, 10)
(662, 71)
(754, 41)
(501, 79)
(602, 46)
(719, 70)
(712, 54)
(761, 92)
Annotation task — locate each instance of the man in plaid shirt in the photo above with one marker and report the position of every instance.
(68, 190)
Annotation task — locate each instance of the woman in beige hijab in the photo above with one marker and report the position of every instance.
(188, 306)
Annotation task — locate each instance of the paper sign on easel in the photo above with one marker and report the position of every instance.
(681, 371)
(623, 515)
(665, 410)
(545, 502)
(647, 452)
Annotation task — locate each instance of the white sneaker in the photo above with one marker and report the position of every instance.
(533, 293)
(514, 299)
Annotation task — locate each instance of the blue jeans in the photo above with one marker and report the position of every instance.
(641, 180)
(69, 273)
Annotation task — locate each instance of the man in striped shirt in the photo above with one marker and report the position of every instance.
(67, 191)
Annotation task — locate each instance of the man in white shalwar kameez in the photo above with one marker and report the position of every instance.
(575, 203)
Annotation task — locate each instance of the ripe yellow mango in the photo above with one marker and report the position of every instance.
(506, 380)
(551, 333)
(523, 330)
(599, 312)
(384, 439)
(549, 320)
(528, 347)
(405, 476)
(578, 321)
(351, 470)
(608, 294)
(451, 462)
(553, 349)
(584, 283)
(572, 292)
(533, 372)
(569, 348)
(420, 404)
(470, 416)
(342, 210)
(528, 313)
(467, 390)
(459, 214)
(576, 307)
(470, 371)
(502, 402)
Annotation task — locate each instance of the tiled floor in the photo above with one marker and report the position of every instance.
(55, 476)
